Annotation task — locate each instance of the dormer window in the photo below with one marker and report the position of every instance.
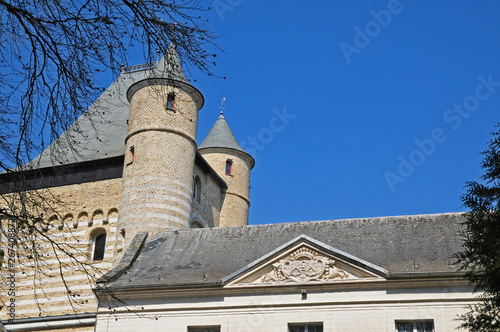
(229, 167)
(170, 101)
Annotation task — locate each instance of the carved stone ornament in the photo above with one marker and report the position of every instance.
(304, 265)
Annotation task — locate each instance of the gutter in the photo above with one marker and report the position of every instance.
(217, 284)
(406, 275)
(50, 322)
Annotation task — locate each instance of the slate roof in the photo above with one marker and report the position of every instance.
(221, 136)
(206, 256)
(100, 131)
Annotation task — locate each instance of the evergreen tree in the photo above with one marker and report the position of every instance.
(481, 255)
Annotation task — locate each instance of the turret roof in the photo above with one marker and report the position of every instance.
(100, 131)
(170, 65)
(221, 136)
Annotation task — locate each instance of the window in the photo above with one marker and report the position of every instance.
(196, 224)
(229, 167)
(205, 329)
(132, 155)
(121, 242)
(415, 326)
(99, 247)
(170, 101)
(309, 327)
(197, 189)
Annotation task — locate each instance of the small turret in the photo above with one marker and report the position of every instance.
(233, 164)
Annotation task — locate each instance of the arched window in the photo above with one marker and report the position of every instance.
(196, 224)
(99, 247)
(197, 221)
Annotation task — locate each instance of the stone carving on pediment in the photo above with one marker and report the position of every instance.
(304, 265)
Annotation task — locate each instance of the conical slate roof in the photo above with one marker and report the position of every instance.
(170, 66)
(221, 136)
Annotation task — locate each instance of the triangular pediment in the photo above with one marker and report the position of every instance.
(305, 260)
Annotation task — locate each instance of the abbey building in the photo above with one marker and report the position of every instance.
(160, 224)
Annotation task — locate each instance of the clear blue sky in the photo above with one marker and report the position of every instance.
(426, 71)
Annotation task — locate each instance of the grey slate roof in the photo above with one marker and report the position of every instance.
(170, 66)
(201, 256)
(100, 131)
(221, 136)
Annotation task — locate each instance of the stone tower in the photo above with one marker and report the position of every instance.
(233, 164)
(160, 151)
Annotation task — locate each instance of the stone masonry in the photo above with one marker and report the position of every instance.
(165, 184)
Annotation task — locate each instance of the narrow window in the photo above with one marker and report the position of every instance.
(229, 167)
(197, 189)
(121, 243)
(2, 254)
(99, 247)
(132, 155)
(415, 326)
(308, 327)
(170, 101)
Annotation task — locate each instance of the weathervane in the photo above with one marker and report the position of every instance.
(221, 106)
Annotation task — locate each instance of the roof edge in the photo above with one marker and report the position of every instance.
(128, 259)
(205, 166)
(304, 238)
(243, 153)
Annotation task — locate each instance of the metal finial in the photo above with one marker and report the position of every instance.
(157, 55)
(221, 106)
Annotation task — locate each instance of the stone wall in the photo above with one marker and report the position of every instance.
(206, 209)
(56, 283)
(352, 307)
(160, 155)
(236, 203)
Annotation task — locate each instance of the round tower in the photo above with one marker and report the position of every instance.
(233, 164)
(160, 151)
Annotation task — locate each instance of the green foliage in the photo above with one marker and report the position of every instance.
(481, 255)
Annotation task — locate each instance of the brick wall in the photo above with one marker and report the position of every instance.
(57, 283)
